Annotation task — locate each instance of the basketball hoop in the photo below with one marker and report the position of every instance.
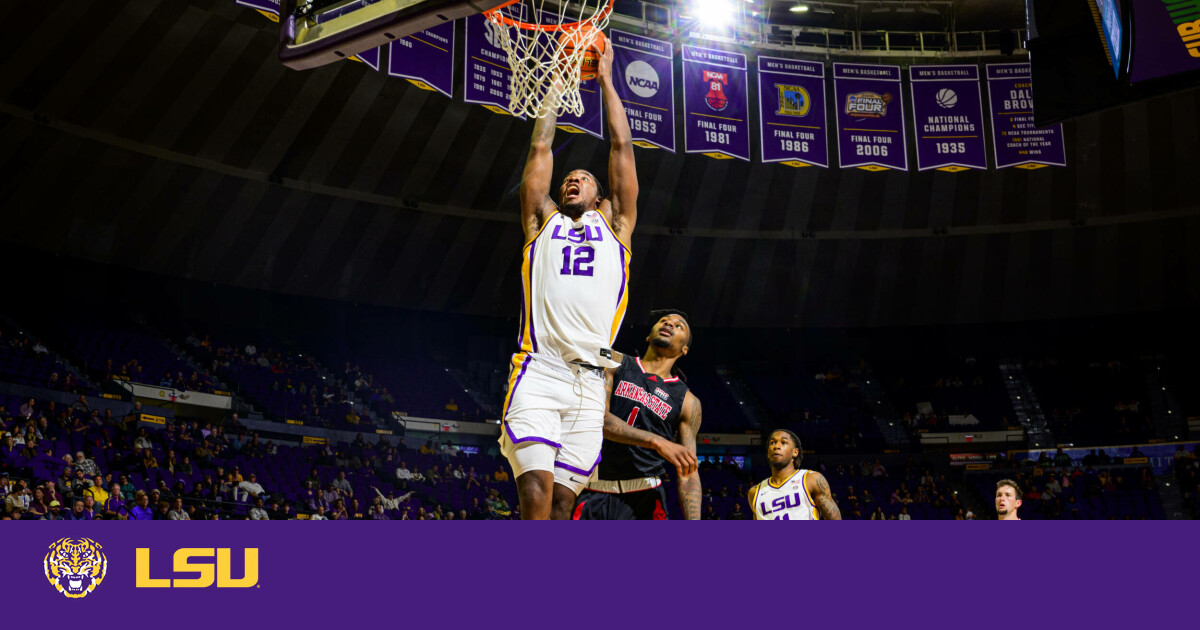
(546, 47)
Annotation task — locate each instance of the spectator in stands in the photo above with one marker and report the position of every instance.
(459, 473)
(737, 514)
(78, 484)
(426, 449)
(970, 516)
(250, 488)
(501, 476)
(141, 511)
(904, 515)
(278, 511)
(113, 507)
(257, 513)
(10, 449)
(78, 513)
(26, 410)
(878, 470)
(331, 495)
(97, 491)
(1053, 486)
(1061, 458)
(339, 511)
(1034, 494)
(52, 493)
(377, 514)
(342, 485)
(39, 505)
(177, 511)
(319, 514)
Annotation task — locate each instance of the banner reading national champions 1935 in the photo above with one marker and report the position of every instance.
(644, 77)
(1015, 139)
(948, 112)
(715, 103)
(870, 117)
(791, 111)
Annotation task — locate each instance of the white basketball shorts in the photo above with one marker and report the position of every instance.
(553, 419)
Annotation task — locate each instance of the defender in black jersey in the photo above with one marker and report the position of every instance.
(652, 420)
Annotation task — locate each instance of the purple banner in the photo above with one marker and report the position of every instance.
(426, 59)
(716, 103)
(369, 57)
(1166, 39)
(791, 112)
(870, 117)
(644, 75)
(592, 120)
(1016, 141)
(325, 574)
(487, 75)
(269, 8)
(948, 116)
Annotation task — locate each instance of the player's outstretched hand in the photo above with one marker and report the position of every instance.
(678, 455)
(606, 61)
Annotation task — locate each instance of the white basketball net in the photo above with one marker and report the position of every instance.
(545, 74)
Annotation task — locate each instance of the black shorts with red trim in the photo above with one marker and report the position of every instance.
(645, 505)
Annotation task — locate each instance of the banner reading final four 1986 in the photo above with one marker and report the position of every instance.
(1015, 139)
(791, 111)
(870, 117)
(948, 112)
(716, 103)
(644, 76)
(425, 58)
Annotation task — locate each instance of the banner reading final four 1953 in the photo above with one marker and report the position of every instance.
(870, 117)
(716, 103)
(425, 58)
(1015, 139)
(644, 76)
(948, 111)
(791, 111)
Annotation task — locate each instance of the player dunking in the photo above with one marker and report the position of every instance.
(652, 419)
(1008, 500)
(791, 493)
(575, 281)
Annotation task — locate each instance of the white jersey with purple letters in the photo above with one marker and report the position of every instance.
(788, 502)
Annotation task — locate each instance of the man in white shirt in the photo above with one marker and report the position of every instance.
(251, 489)
(177, 512)
(404, 474)
(904, 516)
(257, 513)
(320, 515)
(390, 502)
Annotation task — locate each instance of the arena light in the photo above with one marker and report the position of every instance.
(799, 8)
(713, 13)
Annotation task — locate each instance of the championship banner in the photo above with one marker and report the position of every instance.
(715, 103)
(426, 59)
(369, 57)
(791, 112)
(1166, 38)
(487, 75)
(269, 8)
(948, 112)
(644, 75)
(592, 120)
(1016, 141)
(870, 117)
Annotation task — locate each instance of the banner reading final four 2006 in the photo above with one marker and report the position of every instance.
(644, 75)
(487, 75)
(715, 103)
(948, 111)
(791, 111)
(870, 117)
(425, 58)
(1015, 139)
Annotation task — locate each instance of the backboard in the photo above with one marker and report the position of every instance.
(313, 33)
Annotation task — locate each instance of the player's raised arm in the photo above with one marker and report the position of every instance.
(535, 181)
(822, 497)
(622, 173)
(689, 485)
(751, 497)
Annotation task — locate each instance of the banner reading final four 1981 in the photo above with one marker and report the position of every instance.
(870, 117)
(948, 112)
(1015, 139)
(791, 111)
(644, 76)
(716, 103)
(425, 58)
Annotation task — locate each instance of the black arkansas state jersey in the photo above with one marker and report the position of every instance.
(648, 402)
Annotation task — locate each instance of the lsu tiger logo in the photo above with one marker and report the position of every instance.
(75, 566)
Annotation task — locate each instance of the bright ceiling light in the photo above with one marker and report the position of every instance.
(799, 8)
(713, 13)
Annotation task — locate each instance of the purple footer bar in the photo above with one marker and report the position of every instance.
(850, 574)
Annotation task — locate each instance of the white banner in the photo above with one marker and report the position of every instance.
(170, 395)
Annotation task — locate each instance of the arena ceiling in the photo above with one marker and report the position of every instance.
(165, 136)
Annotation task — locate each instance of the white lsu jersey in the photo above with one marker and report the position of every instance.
(575, 286)
(788, 502)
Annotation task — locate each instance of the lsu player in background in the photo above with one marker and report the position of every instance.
(791, 493)
(575, 287)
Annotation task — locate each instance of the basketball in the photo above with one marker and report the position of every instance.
(946, 98)
(590, 67)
